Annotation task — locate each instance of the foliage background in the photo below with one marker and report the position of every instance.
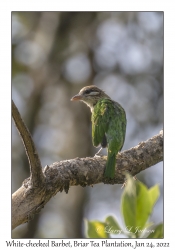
(54, 55)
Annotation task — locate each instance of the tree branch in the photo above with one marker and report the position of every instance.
(89, 171)
(36, 173)
(37, 190)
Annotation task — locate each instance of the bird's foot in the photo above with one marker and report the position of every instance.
(124, 184)
(97, 154)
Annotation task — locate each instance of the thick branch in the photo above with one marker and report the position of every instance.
(27, 201)
(34, 161)
(89, 171)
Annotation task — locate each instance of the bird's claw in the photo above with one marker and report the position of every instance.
(98, 155)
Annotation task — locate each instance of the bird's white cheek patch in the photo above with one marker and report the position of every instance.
(94, 93)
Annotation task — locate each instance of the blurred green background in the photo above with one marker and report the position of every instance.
(54, 55)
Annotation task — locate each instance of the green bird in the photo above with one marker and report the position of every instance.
(108, 123)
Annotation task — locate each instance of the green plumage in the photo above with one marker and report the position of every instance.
(109, 124)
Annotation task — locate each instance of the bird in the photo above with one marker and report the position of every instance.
(108, 124)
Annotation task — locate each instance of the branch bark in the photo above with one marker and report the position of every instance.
(29, 199)
(34, 160)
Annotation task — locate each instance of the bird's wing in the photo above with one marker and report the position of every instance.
(99, 122)
(121, 123)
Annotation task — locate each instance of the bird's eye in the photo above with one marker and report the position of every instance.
(87, 91)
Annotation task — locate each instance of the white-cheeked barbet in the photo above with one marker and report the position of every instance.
(108, 123)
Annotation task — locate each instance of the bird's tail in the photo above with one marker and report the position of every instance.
(110, 166)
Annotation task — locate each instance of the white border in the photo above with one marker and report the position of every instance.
(5, 94)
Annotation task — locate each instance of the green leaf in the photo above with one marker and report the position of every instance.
(143, 206)
(157, 233)
(137, 204)
(149, 224)
(154, 194)
(96, 229)
(128, 205)
(112, 225)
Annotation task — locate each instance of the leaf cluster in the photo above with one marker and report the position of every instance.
(137, 203)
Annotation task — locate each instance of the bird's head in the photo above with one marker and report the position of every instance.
(90, 95)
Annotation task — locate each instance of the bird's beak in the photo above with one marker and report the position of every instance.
(76, 98)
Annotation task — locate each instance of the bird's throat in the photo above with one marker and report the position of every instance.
(90, 104)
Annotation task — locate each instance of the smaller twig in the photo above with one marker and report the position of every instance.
(124, 184)
(36, 173)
